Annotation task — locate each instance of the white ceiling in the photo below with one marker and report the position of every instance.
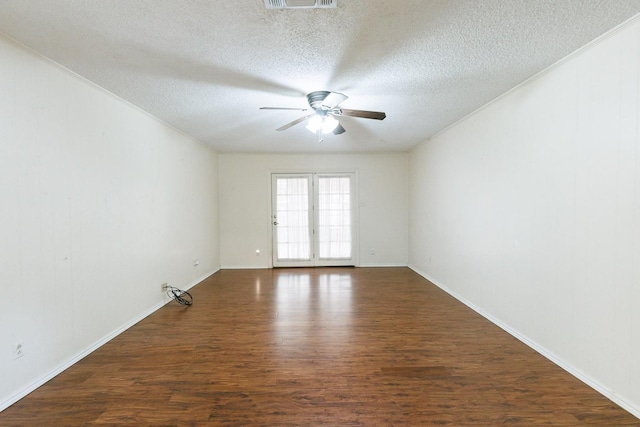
(206, 67)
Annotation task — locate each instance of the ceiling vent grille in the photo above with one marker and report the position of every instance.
(300, 4)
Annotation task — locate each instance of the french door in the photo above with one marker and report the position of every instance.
(313, 217)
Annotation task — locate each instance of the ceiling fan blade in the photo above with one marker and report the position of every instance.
(283, 108)
(338, 130)
(377, 115)
(295, 122)
(333, 100)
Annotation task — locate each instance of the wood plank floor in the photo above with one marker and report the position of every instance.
(308, 347)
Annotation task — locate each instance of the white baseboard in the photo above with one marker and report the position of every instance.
(82, 354)
(253, 267)
(245, 267)
(609, 394)
(202, 278)
(380, 265)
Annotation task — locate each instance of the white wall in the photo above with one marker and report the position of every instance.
(529, 211)
(245, 200)
(99, 204)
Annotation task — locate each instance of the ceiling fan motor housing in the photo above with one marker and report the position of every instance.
(300, 4)
(316, 98)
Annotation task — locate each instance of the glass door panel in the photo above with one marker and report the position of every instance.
(313, 217)
(292, 217)
(334, 217)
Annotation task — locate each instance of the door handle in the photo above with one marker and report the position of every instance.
(275, 222)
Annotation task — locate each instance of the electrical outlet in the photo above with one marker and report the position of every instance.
(163, 287)
(18, 351)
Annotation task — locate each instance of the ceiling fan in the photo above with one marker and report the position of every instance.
(325, 106)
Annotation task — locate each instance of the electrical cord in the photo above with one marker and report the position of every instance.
(182, 297)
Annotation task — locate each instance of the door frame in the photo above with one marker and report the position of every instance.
(315, 262)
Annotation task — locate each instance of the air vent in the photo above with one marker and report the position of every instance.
(300, 4)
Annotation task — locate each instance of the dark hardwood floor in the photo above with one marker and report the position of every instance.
(308, 347)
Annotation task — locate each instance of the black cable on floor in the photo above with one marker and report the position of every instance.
(182, 297)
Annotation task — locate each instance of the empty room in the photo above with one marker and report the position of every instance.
(320, 212)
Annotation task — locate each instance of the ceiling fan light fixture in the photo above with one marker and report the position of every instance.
(325, 124)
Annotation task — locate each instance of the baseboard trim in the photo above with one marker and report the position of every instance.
(244, 267)
(253, 267)
(609, 394)
(96, 345)
(381, 265)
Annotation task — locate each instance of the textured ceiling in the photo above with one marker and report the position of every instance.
(206, 67)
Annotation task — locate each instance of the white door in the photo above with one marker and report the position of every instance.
(292, 218)
(313, 218)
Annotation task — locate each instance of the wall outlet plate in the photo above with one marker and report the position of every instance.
(18, 351)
